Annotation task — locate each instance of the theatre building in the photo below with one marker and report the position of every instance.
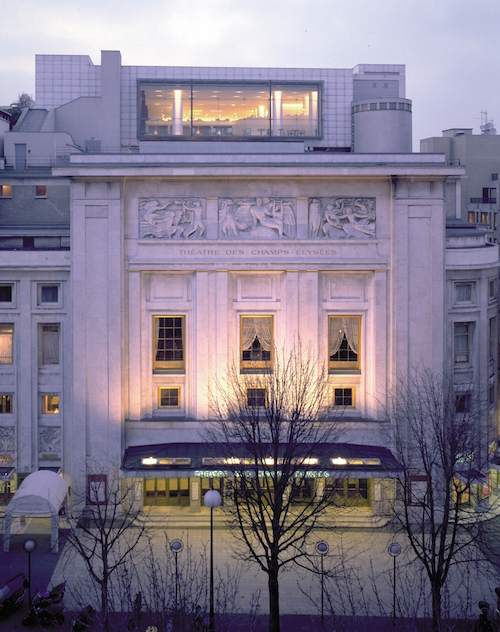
(157, 223)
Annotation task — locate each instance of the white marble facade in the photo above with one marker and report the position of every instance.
(147, 247)
(344, 242)
(195, 235)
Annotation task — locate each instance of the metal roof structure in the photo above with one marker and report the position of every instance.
(202, 458)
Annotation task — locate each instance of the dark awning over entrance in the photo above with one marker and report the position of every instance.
(202, 459)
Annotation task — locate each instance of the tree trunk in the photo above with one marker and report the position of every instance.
(104, 602)
(436, 607)
(274, 603)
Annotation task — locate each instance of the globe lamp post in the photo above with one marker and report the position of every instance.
(212, 499)
(394, 550)
(29, 545)
(176, 547)
(322, 548)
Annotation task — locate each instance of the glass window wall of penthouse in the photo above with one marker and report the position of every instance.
(228, 110)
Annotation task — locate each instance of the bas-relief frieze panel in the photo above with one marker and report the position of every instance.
(49, 440)
(257, 218)
(7, 441)
(260, 218)
(341, 218)
(172, 218)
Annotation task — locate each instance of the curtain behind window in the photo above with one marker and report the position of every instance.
(5, 347)
(463, 291)
(256, 327)
(50, 347)
(461, 342)
(340, 326)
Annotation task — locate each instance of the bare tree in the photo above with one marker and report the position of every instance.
(176, 589)
(24, 100)
(358, 591)
(271, 430)
(169, 590)
(107, 534)
(440, 443)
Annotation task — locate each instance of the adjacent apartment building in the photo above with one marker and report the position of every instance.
(157, 223)
(479, 154)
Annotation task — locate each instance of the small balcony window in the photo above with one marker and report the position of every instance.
(169, 397)
(6, 343)
(50, 404)
(344, 397)
(6, 405)
(256, 397)
(6, 293)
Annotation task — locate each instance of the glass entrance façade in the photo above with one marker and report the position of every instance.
(166, 492)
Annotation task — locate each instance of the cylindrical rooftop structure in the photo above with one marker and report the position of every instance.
(382, 126)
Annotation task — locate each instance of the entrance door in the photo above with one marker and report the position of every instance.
(178, 492)
(5, 493)
(20, 157)
(351, 492)
(155, 492)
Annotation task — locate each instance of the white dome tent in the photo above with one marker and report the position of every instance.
(40, 494)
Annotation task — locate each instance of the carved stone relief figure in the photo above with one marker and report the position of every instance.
(7, 442)
(49, 440)
(257, 218)
(342, 218)
(171, 218)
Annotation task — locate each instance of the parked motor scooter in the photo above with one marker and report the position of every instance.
(12, 595)
(53, 613)
(42, 599)
(84, 620)
(484, 624)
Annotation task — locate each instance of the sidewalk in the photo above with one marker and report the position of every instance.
(43, 561)
(355, 552)
(43, 565)
(302, 623)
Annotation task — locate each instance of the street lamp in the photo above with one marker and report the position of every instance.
(322, 548)
(176, 547)
(212, 499)
(394, 550)
(29, 545)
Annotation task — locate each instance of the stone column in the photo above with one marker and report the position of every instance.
(97, 247)
(195, 495)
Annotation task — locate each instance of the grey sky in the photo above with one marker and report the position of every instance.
(449, 47)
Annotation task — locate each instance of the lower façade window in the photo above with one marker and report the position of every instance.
(344, 397)
(6, 340)
(6, 405)
(462, 333)
(50, 404)
(256, 397)
(169, 397)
